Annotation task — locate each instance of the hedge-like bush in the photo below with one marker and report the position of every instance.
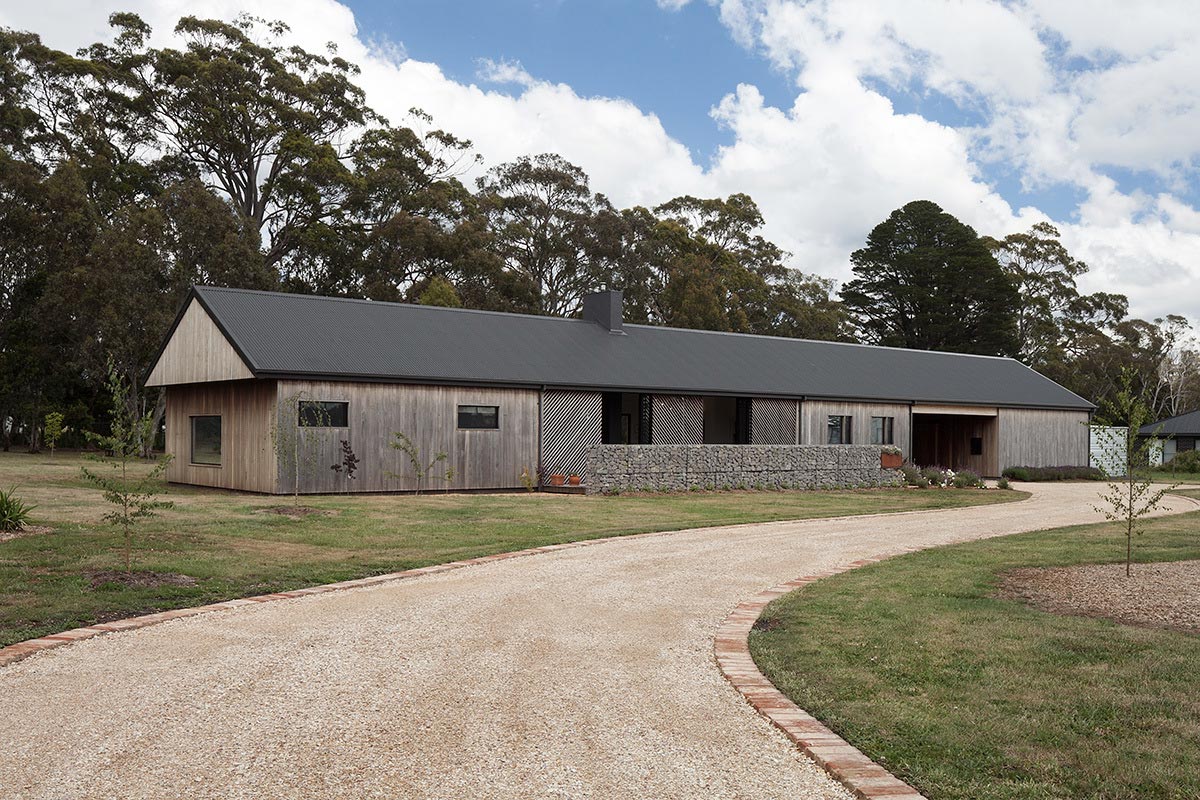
(1036, 474)
(966, 479)
(1185, 461)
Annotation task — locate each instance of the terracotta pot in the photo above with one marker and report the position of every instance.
(573, 480)
(891, 460)
(557, 480)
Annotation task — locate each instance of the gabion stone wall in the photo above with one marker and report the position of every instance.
(631, 468)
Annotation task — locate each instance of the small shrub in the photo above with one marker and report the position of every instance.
(1040, 474)
(14, 512)
(937, 476)
(913, 476)
(527, 480)
(1003, 484)
(966, 479)
(1186, 461)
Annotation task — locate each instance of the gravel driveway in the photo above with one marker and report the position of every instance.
(583, 673)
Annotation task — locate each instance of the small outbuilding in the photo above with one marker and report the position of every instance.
(1178, 434)
(512, 399)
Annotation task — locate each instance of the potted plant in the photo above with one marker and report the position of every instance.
(573, 480)
(557, 480)
(891, 458)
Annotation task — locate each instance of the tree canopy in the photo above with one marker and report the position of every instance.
(129, 172)
(927, 281)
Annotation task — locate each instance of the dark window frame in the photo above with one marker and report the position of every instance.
(976, 446)
(844, 427)
(192, 418)
(459, 417)
(887, 433)
(329, 418)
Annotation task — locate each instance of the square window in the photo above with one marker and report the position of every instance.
(976, 445)
(839, 430)
(206, 441)
(883, 430)
(479, 418)
(324, 414)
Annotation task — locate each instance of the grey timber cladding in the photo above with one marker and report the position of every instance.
(677, 419)
(814, 421)
(287, 335)
(1036, 438)
(480, 459)
(571, 428)
(773, 421)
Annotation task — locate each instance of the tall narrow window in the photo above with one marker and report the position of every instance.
(479, 418)
(882, 430)
(206, 441)
(324, 414)
(839, 430)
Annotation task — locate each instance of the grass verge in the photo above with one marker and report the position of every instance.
(967, 696)
(225, 541)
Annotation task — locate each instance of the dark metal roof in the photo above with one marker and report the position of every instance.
(1182, 425)
(301, 335)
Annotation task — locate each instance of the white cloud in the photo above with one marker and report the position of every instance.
(840, 158)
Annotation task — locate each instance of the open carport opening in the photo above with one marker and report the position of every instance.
(964, 440)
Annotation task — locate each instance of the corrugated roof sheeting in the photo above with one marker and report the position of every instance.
(358, 339)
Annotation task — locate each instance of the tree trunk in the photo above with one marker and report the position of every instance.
(160, 410)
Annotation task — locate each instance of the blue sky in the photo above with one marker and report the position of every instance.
(675, 64)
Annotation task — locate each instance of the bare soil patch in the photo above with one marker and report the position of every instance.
(296, 512)
(26, 530)
(138, 580)
(1159, 595)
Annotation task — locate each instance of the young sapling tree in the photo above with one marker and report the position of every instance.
(53, 430)
(1131, 497)
(297, 446)
(420, 468)
(348, 466)
(132, 498)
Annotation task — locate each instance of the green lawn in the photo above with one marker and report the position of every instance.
(216, 537)
(967, 696)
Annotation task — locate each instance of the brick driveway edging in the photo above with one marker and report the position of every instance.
(843, 761)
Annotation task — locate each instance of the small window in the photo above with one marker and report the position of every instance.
(479, 418)
(839, 430)
(882, 430)
(206, 441)
(976, 445)
(324, 414)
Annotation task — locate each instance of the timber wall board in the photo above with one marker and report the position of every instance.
(1042, 438)
(197, 352)
(815, 414)
(481, 459)
(247, 454)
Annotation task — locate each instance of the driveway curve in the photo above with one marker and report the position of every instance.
(580, 673)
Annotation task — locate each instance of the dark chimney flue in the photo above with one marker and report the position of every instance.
(605, 309)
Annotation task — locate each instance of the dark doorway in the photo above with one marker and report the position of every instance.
(955, 441)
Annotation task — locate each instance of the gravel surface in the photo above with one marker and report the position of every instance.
(584, 673)
(1164, 595)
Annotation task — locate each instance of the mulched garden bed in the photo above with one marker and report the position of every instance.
(137, 580)
(1159, 595)
(295, 512)
(27, 530)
